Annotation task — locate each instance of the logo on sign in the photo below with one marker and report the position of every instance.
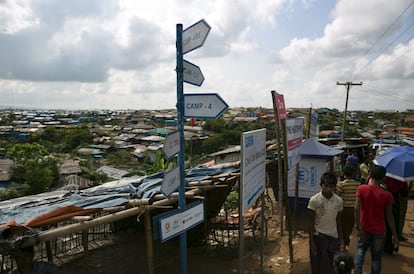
(313, 176)
(249, 141)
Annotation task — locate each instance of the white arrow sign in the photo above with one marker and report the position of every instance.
(203, 105)
(172, 144)
(195, 35)
(171, 181)
(192, 74)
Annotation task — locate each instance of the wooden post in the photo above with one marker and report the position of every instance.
(49, 252)
(285, 192)
(296, 202)
(85, 250)
(148, 238)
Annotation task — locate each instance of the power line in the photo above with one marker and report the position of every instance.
(389, 27)
(392, 42)
(377, 91)
(383, 34)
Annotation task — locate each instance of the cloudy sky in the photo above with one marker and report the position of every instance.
(120, 54)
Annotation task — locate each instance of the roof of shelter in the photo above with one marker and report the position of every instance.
(60, 205)
(312, 148)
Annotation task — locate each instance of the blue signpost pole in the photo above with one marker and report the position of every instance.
(180, 116)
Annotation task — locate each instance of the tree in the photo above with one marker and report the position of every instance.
(33, 166)
(63, 140)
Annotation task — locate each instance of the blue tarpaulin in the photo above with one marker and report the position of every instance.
(111, 194)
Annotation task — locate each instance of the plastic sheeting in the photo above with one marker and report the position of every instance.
(24, 209)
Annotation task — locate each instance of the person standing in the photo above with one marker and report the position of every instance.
(371, 205)
(325, 231)
(353, 161)
(23, 254)
(403, 208)
(364, 169)
(347, 190)
(396, 188)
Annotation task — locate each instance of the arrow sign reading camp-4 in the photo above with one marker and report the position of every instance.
(195, 35)
(192, 74)
(203, 105)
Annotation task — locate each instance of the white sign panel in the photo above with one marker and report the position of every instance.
(181, 221)
(310, 172)
(172, 144)
(294, 134)
(171, 181)
(253, 173)
(195, 35)
(192, 74)
(203, 105)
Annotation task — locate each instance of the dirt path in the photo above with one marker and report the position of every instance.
(128, 255)
(401, 262)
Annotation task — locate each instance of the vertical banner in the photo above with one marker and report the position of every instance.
(253, 173)
(314, 127)
(294, 135)
(279, 102)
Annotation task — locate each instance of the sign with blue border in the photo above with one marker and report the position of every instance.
(175, 222)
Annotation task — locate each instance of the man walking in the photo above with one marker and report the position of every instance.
(346, 190)
(325, 231)
(371, 205)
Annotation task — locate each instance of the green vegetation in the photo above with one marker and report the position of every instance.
(33, 166)
(9, 193)
(63, 140)
(232, 201)
(229, 133)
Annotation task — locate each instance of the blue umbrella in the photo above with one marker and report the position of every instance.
(399, 162)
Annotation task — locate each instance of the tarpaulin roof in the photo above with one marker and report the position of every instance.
(61, 205)
(313, 148)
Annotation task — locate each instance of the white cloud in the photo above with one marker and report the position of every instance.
(121, 54)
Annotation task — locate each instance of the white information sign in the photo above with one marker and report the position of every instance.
(294, 134)
(181, 221)
(310, 172)
(253, 166)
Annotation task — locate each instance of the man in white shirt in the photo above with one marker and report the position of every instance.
(325, 231)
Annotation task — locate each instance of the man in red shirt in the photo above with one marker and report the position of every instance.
(371, 205)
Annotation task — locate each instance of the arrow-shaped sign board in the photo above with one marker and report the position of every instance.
(192, 74)
(195, 35)
(171, 181)
(203, 105)
(172, 144)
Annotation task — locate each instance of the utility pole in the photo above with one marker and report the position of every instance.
(348, 87)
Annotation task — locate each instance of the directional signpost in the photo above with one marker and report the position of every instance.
(192, 74)
(203, 105)
(188, 105)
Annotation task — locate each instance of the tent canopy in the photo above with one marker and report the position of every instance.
(313, 148)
